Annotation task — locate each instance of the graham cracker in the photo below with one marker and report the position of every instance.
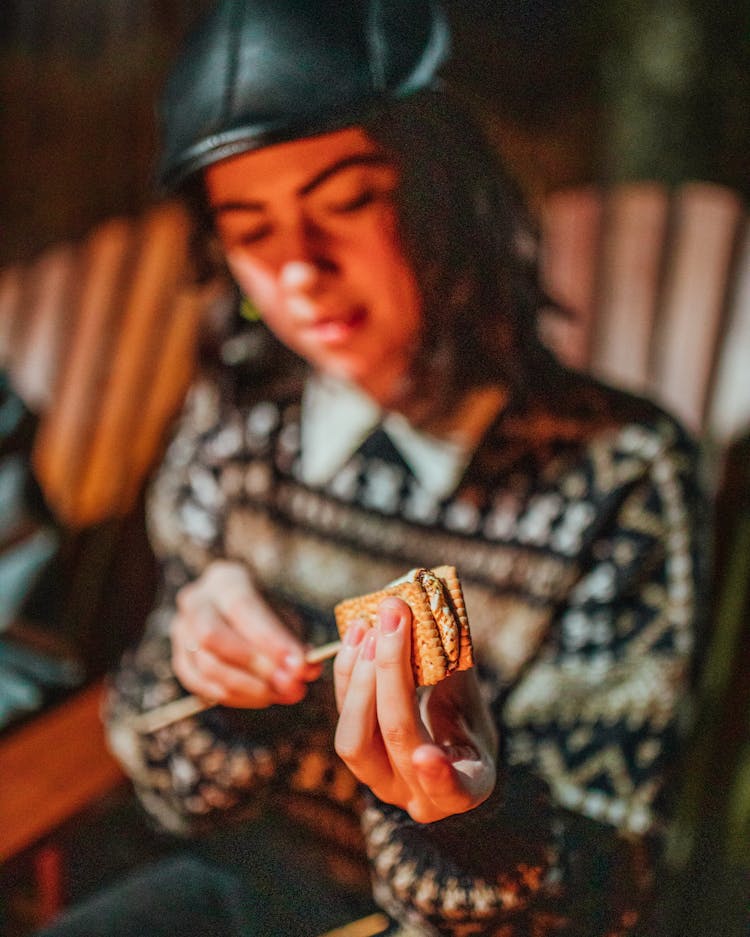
(430, 664)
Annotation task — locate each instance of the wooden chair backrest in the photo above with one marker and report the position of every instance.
(100, 336)
(659, 282)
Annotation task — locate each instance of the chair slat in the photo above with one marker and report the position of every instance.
(39, 349)
(729, 411)
(11, 287)
(632, 249)
(157, 269)
(171, 377)
(94, 469)
(570, 227)
(64, 436)
(705, 230)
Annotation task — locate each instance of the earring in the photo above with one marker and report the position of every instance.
(249, 311)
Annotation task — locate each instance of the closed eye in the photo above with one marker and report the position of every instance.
(362, 200)
(253, 235)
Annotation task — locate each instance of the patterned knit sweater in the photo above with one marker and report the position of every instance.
(574, 532)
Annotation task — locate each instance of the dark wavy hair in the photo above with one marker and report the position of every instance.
(473, 248)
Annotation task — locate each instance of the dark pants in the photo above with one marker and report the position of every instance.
(273, 886)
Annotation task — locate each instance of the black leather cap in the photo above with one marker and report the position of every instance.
(256, 72)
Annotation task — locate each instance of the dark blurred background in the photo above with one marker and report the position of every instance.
(573, 91)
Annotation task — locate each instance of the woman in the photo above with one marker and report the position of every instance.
(396, 409)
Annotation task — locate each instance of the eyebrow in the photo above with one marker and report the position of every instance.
(236, 205)
(358, 159)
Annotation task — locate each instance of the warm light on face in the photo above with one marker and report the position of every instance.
(310, 233)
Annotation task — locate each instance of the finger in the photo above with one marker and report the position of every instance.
(251, 616)
(454, 779)
(197, 625)
(234, 687)
(455, 710)
(229, 588)
(233, 648)
(191, 678)
(397, 711)
(248, 688)
(247, 678)
(439, 779)
(201, 628)
(227, 658)
(250, 654)
(357, 740)
(346, 658)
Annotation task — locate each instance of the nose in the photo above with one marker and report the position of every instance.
(302, 254)
(299, 275)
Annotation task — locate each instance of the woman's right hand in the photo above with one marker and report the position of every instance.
(230, 647)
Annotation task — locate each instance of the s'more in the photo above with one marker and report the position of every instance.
(441, 640)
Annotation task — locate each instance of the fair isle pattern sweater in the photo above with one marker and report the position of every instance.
(572, 530)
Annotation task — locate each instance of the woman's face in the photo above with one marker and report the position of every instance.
(310, 233)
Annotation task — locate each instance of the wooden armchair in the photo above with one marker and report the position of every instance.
(660, 285)
(100, 338)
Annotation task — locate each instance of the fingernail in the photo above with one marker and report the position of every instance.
(390, 617)
(282, 681)
(354, 634)
(368, 645)
(293, 660)
(434, 769)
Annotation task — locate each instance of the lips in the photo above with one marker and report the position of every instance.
(338, 329)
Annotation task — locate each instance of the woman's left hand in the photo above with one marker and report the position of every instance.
(434, 756)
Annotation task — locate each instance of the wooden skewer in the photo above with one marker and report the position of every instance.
(369, 926)
(316, 655)
(186, 706)
(165, 715)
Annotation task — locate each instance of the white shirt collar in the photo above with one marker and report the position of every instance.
(337, 418)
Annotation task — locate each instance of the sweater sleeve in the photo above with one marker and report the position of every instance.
(223, 763)
(569, 841)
